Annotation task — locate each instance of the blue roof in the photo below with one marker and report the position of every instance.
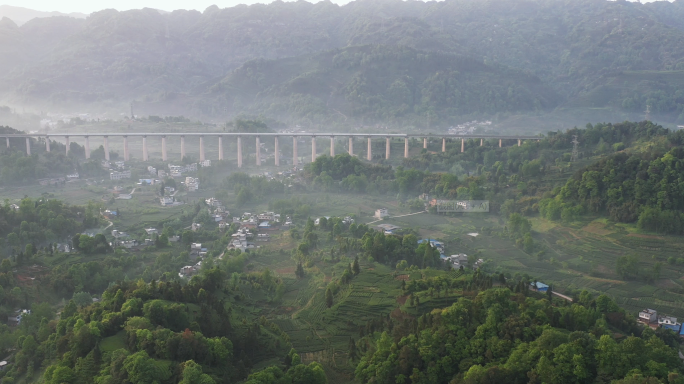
(540, 285)
(433, 241)
(672, 327)
(681, 331)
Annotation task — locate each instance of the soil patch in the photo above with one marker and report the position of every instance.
(402, 300)
(403, 277)
(644, 236)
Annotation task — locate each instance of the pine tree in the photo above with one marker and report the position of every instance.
(355, 267)
(328, 297)
(300, 271)
(353, 353)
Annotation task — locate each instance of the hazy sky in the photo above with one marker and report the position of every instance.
(88, 6)
(85, 6)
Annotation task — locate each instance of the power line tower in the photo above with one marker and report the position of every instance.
(575, 151)
(648, 112)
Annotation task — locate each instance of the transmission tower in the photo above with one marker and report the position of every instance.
(648, 112)
(575, 152)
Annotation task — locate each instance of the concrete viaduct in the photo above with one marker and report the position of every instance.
(257, 136)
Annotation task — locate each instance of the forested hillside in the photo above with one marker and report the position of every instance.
(619, 55)
(382, 83)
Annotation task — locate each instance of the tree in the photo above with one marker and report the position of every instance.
(299, 272)
(355, 266)
(627, 266)
(192, 374)
(82, 299)
(69, 309)
(328, 297)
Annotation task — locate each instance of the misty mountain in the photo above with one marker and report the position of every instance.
(21, 15)
(377, 83)
(177, 62)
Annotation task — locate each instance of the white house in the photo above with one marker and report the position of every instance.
(648, 315)
(381, 213)
(151, 231)
(166, 200)
(667, 320)
(116, 175)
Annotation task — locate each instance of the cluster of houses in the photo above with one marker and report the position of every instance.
(178, 170)
(455, 261)
(123, 239)
(190, 270)
(218, 212)
(468, 128)
(242, 240)
(192, 183)
(461, 260)
(15, 319)
(262, 221)
(650, 318)
(196, 252)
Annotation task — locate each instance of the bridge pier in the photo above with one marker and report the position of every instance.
(351, 146)
(277, 153)
(499, 143)
(425, 142)
(519, 142)
(462, 145)
(295, 157)
(313, 148)
(332, 146)
(220, 144)
(481, 142)
(7, 138)
(239, 151)
(387, 148)
(67, 144)
(406, 148)
(443, 144)
(369, 156)
(127, 155)
(183, 147)
(258, 151)
(28, 147)
(106, 147)
(164, 158)
(145, 157)
(47, 143)
(87, 147)
(202, 148)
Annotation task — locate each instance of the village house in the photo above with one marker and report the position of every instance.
(18, 314)
(119, 175)
(318, 221)
(381, 213)
(539, 286)
(195, 227)
(648, 316)
(151, 231)
(263, 237)
(192, 183)
(166, 200)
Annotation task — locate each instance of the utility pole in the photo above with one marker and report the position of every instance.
(575, 152)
